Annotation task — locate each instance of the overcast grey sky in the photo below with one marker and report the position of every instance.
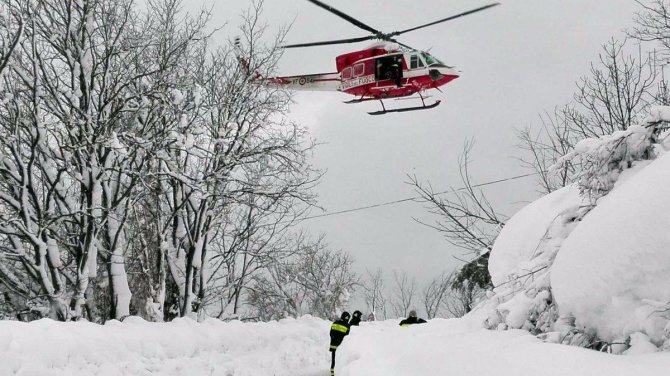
(517, 60)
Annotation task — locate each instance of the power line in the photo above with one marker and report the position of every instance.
(416, 197)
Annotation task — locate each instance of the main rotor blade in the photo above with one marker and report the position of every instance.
(345, 16)
(444, 19)
(323, 43)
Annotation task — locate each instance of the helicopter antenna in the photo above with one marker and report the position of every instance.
(376, 34)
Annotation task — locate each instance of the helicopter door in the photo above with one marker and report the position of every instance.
(389, 68)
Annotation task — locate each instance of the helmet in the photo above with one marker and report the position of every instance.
(412, 313)
(357, 313)
(345, 315)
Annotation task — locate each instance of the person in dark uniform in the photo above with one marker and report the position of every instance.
(355, 318)
(395, 71)
(338, 330)
(412, 319)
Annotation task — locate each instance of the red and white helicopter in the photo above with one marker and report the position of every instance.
(387, 69)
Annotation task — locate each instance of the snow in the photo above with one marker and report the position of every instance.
(116, 144)
(583, 265)
(197, 95)
(177, 97)
(601, 160)
(658, 113)
(519, 240)
(53, 253)
(586, 265)
(117, 269)
(640, 344)
(520, 264)
(182, 347)
(611, 269)
(298, 347)
(197, 253)
(388, 46)
(92, 260)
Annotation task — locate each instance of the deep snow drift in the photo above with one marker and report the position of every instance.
(613, 271)
(298, 348)
(589, 264)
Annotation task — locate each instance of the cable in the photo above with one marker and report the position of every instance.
(415, 198)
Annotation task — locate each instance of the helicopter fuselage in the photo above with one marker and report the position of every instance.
(377, 73)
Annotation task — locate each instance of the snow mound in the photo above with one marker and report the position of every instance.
(521, 260)
(182, 347)
(613, 271)
(585, 265)
(451, 347)
(521, 238)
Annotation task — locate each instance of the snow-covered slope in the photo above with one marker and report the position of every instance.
(612, 273)
(181, 347)
(520, 241)
(521, 260)
(589, 264)
(297, 348)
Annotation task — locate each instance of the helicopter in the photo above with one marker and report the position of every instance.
(384, 70)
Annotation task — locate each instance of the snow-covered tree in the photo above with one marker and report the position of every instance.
(127, 146)
(315, 280)
(66, 86)
(601, 160)
(436, 293)
(467, 220)
(464, 216)
(11, 30)
(651, 25)
(233, 157)
(254, 234)
(374, 294)
(618, 89)
(403, 296)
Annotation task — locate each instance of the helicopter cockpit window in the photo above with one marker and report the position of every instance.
(415, 62)
(430, 60)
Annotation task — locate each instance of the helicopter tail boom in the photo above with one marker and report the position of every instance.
(308, 82)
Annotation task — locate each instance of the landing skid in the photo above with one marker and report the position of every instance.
(405, 109)
(359, 100)
(424, 106)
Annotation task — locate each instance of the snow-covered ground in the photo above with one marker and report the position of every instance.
(298, 348)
